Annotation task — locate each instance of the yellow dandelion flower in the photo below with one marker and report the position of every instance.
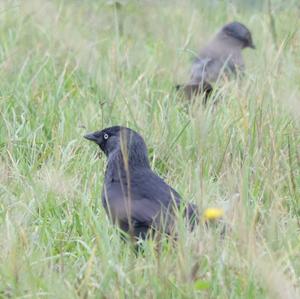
(213, 213)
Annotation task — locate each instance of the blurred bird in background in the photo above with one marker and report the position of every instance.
(221, 57)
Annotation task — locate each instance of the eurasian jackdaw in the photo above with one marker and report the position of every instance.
(133, 196)
(221, 57)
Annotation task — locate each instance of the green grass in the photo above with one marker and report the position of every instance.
(68, 67)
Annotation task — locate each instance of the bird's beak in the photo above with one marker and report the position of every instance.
(91, 137)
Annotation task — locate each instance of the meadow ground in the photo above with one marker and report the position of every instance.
(68, 67)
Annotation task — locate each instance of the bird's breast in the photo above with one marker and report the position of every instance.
(115, 201)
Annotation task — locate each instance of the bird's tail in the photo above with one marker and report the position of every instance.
(191, 90)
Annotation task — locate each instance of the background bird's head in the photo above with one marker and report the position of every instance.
(238, 33)
(124, 141)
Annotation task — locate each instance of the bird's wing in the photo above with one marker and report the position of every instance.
(147, 184)
(148, 199)
(205, 69)
(155, 200)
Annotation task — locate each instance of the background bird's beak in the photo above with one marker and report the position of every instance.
(91, 137)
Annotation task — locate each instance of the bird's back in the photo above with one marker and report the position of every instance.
(217, 58)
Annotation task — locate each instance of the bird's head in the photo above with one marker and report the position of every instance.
(239, 33)
(122, 140)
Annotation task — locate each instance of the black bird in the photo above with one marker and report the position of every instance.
(222, 56)
(133, 196)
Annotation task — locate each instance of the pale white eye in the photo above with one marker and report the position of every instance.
(105, 136)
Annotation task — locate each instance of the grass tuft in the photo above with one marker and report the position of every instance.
(68, 67)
